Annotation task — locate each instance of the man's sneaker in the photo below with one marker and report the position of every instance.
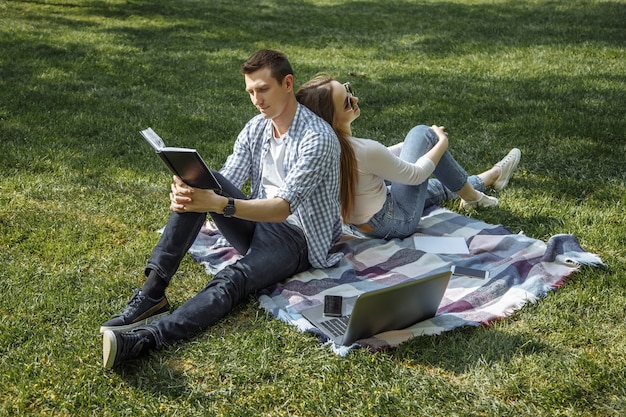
(483, 201)
(139, 311)
(508, 164)
(119, 347)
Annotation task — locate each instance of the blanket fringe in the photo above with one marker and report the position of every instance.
(566, 248)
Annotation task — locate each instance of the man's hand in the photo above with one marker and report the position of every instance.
(184, 199)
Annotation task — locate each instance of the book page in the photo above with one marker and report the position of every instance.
(153, 139)
(175, 149)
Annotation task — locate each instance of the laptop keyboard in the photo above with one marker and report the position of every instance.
(336, 326)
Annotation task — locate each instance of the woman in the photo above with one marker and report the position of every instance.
(384, 190)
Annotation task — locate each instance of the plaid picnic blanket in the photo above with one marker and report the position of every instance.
(522, 269)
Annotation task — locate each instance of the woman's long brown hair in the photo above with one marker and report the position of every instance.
(317, 95)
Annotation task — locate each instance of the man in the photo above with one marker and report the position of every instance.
(288, 224)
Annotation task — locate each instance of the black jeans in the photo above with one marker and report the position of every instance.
(272, 253)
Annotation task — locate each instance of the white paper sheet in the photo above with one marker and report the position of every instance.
(441, 244)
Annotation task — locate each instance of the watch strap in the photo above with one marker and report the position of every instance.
(229, 209)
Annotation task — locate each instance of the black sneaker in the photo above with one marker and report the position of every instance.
(119, 347)
(139, 311)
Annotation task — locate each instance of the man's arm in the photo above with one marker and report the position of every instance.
(184, 198)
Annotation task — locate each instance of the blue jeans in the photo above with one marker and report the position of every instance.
(272, 252)
(403, 208)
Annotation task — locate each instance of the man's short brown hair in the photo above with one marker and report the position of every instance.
(276, 61)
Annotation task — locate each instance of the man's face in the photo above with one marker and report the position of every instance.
(266, 94)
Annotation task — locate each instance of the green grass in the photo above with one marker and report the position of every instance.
(81, 196)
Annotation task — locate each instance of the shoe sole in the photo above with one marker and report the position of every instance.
(132, 326)
(474, 206)
(497, 186)
(471, 205)
(109, 349)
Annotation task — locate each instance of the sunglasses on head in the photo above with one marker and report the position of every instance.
(348, 105)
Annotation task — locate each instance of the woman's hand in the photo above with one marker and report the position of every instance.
(439, 131)
(441, 135)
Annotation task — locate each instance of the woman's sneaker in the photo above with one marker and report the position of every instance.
(140, 310)
(483, 201)
(508, 164)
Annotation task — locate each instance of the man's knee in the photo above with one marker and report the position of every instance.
(234, 280)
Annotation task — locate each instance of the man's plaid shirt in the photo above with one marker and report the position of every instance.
(311, 176)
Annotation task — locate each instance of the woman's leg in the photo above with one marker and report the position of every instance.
(456, 182)
(451, 179)
(437, 193)
(403, 209)
(405, 204)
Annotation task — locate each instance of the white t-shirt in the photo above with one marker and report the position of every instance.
(273, 177)
(273, 168)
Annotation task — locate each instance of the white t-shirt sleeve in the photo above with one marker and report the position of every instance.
(380, 161)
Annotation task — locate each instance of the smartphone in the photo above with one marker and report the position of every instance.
(469, 272)
(332, 305)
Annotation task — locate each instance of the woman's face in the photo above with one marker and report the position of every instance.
(346, 104)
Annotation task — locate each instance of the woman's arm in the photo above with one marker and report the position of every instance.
(376, 159)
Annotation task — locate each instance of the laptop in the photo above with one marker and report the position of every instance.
(391, 308)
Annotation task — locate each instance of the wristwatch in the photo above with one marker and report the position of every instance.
(229, 210)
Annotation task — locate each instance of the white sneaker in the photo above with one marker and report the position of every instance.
(508, 164)
(483, 201)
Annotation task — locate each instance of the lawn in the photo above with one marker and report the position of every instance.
(82, 196)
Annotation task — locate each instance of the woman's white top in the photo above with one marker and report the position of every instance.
(377, 163)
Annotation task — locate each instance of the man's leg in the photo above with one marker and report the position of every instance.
(277, 251)
(238, 232)
(150, 303)
(178, 235)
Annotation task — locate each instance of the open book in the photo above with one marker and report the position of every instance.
(183, 162)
